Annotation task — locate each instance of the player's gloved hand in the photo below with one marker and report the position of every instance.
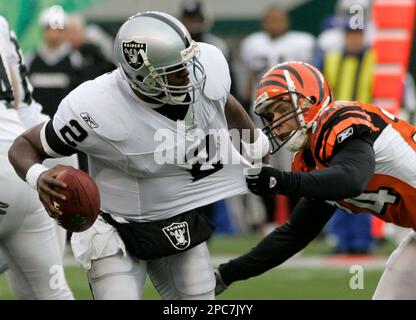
(220, 286)
(263, 181)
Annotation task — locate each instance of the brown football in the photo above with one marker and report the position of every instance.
(82, 205)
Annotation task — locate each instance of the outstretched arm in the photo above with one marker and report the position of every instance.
(307, 220)
(353, 165)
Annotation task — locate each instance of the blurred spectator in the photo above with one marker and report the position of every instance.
(54, 69)
(332, 36)
(195, 20)
(275, 44)
(193, 17)
(94, 63)
(349, 71)
(261, 50)
(102, 39)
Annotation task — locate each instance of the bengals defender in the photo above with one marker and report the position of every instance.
(350, 155)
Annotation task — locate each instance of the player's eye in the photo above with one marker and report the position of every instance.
(268, 116)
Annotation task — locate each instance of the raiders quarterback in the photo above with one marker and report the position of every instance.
(350, 155)
(28, 238)
(169, 93)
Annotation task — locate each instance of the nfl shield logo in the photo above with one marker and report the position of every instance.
(131, 53)
(178, 235)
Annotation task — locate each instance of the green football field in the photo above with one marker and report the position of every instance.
(285, 282)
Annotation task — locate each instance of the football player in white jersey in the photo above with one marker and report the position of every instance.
(142, 127)
(27, 235)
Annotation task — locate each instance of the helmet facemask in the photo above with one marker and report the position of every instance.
(298, 105)
(307, 94)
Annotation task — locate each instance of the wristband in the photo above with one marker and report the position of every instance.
(33, 174)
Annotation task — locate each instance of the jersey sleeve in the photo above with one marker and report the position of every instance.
(67, 133)
(302, 162)
(336, 126)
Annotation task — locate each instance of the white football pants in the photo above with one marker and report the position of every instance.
(29, 242)
(114, 274)
(399, 278)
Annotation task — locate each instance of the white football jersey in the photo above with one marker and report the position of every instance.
(141, 160)
(10, 125)
(13, 122)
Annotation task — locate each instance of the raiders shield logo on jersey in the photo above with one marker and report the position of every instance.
(178, 235)
(131, 53)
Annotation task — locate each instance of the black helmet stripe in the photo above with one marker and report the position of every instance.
(272, 83)
(170, 23)
(320, 83)
(293, 71)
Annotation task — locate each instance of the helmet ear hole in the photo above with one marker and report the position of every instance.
(313, 99)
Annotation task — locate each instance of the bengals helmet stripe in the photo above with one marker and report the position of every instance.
(319, 79)
(272, 83)
(293, 72)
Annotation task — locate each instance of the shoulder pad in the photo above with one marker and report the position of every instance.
(97, 105)
(218, 81)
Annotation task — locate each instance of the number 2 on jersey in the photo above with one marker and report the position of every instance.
(73, 132)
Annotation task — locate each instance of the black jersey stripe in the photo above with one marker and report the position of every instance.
(379, 123)
(335, 118)
(55, 143)
(325, 134)
(329, 130)
(361, 131)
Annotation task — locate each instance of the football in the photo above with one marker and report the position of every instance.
(82, 205)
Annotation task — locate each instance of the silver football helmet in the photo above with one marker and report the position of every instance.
(151, 45)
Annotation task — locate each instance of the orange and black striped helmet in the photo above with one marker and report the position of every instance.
(294, 81)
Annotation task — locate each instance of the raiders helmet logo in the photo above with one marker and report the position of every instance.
(131, 53)
(178, 235)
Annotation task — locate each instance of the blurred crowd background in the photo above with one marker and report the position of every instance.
(364, 57)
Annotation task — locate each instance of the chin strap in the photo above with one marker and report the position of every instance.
(297, 141)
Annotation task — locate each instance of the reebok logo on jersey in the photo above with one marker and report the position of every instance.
(345, 134)
(89, 120)
(178, 235)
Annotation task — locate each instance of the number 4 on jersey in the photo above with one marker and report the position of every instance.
(375, 201)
